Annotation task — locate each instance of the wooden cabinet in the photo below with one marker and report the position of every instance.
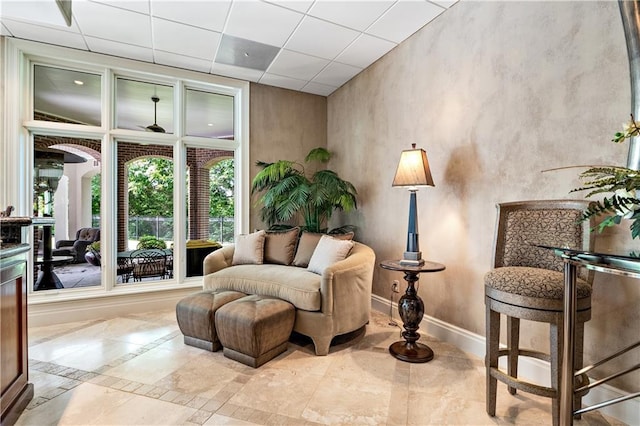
(16, 391)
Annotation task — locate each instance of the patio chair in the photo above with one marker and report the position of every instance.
(148, 263)
(77, 247)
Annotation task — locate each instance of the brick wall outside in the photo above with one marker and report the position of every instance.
(199, 162)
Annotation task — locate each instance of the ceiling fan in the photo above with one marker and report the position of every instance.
(154, 127)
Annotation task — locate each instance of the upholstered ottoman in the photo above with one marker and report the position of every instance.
(196, 314)
(255, 329)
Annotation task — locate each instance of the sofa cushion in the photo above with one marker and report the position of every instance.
(308, 243)
(280, 246)
(297, 286)
(328, 251)
(249, 249)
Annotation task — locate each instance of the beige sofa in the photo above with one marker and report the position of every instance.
(327, 305)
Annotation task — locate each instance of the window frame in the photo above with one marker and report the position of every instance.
(19, 57)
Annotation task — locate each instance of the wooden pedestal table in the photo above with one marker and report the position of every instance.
(411, 309)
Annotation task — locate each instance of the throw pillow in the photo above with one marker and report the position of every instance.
(308, 243)
(280, 246)
(328, 251)
(249, 249)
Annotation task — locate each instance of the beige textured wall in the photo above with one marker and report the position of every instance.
(285, 125)
(495, 92)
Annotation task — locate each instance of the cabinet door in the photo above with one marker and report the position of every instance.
(13, 334)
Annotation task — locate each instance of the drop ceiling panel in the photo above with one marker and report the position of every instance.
(335, 74)
(262, 22)
(318, 89)
(141, 6)
(296, 65)
(403, 19)
(40, 12)
(45, 34)
(122, 50)
(181, 61)
(304, 35)
(365, 51)
(236, 72)
(320, 38)
(112, 23)
(245, 53)
(210, 15)
(297, 5)
(284, 82)
(184, 39)
(353, 14)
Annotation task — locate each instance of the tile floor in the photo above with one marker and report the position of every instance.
(136, 370)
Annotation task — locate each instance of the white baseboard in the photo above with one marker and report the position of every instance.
(531, 369)
(55, 312)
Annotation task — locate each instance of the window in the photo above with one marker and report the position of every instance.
(119, 104)
(72, 96)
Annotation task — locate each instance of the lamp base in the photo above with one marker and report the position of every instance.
(413, 258)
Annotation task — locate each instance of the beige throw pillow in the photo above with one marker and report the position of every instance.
(249, 249)
(328, 251)
(280, 246)
(308, 243)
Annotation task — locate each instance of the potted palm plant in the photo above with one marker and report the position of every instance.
(287, 192)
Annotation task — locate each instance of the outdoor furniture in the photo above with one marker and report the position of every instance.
(149, 263)
(77, 247)
(125, 268)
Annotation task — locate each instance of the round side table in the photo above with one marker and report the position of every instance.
(411, 310)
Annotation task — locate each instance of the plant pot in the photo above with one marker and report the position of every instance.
(92, 258)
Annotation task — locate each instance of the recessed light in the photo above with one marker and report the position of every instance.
(210, 124)
(246, 54)
(78, 82)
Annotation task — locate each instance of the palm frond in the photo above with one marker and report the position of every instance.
(272, 173)
(318, 154)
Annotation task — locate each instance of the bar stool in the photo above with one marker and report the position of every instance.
(527, 283)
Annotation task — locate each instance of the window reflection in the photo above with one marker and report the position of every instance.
(66, 96)
(209, 115)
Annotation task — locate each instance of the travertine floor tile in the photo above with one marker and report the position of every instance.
(137, 370)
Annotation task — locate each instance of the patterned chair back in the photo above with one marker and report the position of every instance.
(556, 223)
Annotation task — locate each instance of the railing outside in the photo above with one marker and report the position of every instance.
(221, 229)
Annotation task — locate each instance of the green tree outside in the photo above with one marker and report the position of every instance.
(151, 188)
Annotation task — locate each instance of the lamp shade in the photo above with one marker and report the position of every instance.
(413, 169)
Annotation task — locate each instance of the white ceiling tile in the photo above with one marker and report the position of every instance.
(38, 12)
(141, 6)
(210, 15)
(280, 81)
(403, 19)
(184, 39)
(445, 3)
(4, 30)
(119, 49)
(263, 22)
(353, 14)
(299, 5)
(236, 72)
(296, 65)
(45, 34)
(336, 74)
(318, 89)
(180, 61)
(320, 38)
(365, 51)
(111, 23)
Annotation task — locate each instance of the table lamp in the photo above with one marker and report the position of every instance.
(413, 171)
